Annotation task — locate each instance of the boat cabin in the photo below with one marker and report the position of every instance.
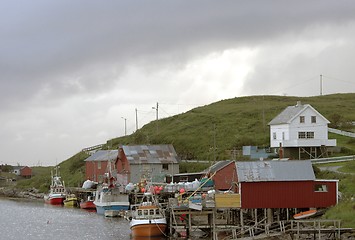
(147, 211)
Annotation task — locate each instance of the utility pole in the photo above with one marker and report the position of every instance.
(157, 116)
(214, 143)
(321, 84)
(136, 120)
(125, 126)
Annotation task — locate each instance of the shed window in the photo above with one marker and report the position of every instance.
(184, 179)
(321, 188)
(165, 166)
(301, 119)
(98, 165)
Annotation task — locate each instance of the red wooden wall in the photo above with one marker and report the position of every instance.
(224, 178)
(93, 172)
(26, 172)
(298, 194)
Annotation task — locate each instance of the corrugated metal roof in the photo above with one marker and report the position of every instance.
(103, 155)
(150, 154)
(217, 166)
(264, 171)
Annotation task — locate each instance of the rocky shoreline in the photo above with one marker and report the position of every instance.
(31, 193)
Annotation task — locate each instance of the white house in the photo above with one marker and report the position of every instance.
(303, 128)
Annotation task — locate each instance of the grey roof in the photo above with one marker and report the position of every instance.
(150, 154)
(288, 114)
(265, 171)
(217, 166)
(103, 155)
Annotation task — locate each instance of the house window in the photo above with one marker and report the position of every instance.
(301, 119)
(274, 135)
(313, 119)
(165, 166)
(301, 135)
(310, 134)
(98, 165)
(305, 135)
(283, 135)
(320, 188)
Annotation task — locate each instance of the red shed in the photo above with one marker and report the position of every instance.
(22, 171)
(284, 184)
(225, 175)
(96, 164)
(26, 172)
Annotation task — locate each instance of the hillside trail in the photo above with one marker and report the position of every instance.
(334, 169)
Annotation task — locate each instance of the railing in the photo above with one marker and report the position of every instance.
(340, 132)
(333, 159)
(316, 227)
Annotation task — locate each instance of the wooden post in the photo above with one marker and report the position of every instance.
(215, 235)
(241, 220)
(269, 216)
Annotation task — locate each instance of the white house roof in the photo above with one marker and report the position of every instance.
(103, 155)
(289, 113)
(266, 171)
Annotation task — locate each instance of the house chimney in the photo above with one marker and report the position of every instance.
(298, 104)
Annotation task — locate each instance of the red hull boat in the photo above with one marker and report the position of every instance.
(57, 192)
(88, 205)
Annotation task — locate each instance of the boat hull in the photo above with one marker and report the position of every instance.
(70, 202)
(102, 207)
(54, 200)
(88, 205)
(148, 230)
(305, 214)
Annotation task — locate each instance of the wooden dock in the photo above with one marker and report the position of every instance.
(216, 219)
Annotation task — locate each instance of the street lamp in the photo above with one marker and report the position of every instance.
(125, 126)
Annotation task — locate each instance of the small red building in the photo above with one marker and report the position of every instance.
(225, 175)
(283, 184)
(22, 171)
(97, 164)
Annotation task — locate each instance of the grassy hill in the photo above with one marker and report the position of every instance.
(232, 123)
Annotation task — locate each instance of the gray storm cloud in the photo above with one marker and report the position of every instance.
(60, 57)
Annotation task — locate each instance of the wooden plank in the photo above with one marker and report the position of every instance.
(227, 200)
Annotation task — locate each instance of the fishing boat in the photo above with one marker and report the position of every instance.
(87, 203)
(57, 192)
(305, 214)
(147, 219)
(71, 201)
(110, 198)
(109, 195)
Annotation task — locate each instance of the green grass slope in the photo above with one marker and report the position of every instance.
(233, 123)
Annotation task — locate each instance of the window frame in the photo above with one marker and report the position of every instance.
(302, 119)
(313, 119)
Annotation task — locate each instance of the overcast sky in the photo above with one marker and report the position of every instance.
(71, 71)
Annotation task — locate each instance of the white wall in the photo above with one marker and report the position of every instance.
(320, 129)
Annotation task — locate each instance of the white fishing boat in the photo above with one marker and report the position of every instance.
(148, 219)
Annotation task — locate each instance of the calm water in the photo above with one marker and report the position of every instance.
(36, 220)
